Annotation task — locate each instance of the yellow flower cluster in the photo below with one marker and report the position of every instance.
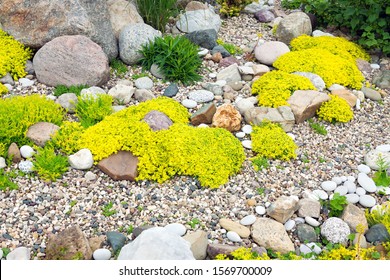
(13, 56)
(336, 45)
(3, 89)
(354, 253)
(243, 254)
(269, 140)
(380, 215)
(67, 137)
(333, 69)
(335, 110)
(275, 87)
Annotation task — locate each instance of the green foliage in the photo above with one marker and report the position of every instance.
(260, 163)
(76, 89)
(177, 57)
(275, 87)
(232, 49)
(3, 89)
(193, 223)
(90, 109)
(336, 204)
(107, 210)
(381, 178)
(6, 183)
(48, 165)
(269, 140)
(130, 229)
(380, 215)
(6, 251)
(232, 7)
(13, 56)
(118, 67)
(260, 191)
(366, 19)
(335, 110)
(18, 113)
(67, 137)
(317, 127)
(157, 12)
(291, 4)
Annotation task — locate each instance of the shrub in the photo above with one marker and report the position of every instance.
(379, 215)
(232, 7)
(92, 109)
(13, 56)
(333, 69)
(67, 137)
(76, 89)
(18, 113)
(177, 57)
(275, 87)
(291, 4)
(157, 12)
(48, 165)
(269, 140)
(3, 89)
(6, 183)
(335, 110)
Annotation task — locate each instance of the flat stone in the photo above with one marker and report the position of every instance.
(328, 186)
(171, 90)
(120, 166)
(248, 220)
(309, 207)
(199, 242)
(352, 198)
(321, 194)
(335, 230)
(247, 144)
(81, 160)
(201, 96)
(41, 132)
(367, 201)
(282, 115)
(366, 182)
(14, 153)
(306, 233)
(283, 208)
(311, 221)
(305, 103)
(230, 225)
(233, 236)
(188, 103)
(371, 94)
(176, 228)
(269, 52)
(240, 134)
(354, 216)
(347, 96)
(247, 129)
(101, 254)
(157, 120)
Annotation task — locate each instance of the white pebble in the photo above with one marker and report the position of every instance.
(27, 151)
(321, 194)
(179, 229)
(26, 166)
(341, 190)
(299, 220)
(291, 135)
(212, 75)
(24, 82)
(304, 249)
(351, 186)
(247, 144)
(247, 129)
(188, 103)
(329, 186)
(337, 180)
(351, 179)
(360, 191)
(375, 66)
(102, 254)
(240, 134)
(248, 220)
(267, 204)
(3, 164)
(233, 236)
(364, 168)
(289, 225)
(367, 201)
(220, 83)
(314, 247)
(366, 182)
(383, 148)
(260, 210)
(311, 221)
(203, 125)
(203, 52)
(352, 198)
(344, 178)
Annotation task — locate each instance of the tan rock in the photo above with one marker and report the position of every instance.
(230, 225)
(227, 117)
(96, 242)
(14, 153)
(196, 5)
(41, 132)
(120, 166)
(304, 103)
(216, 57)
(281, 115)
(199, 243)
(309, 207)
(346, 95)
(283, 208)
(260, 69)
(354, 216)
(292, 26)
(204, 114)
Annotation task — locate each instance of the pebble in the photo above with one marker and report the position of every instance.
(383, 148)
(342, 190)
(260, 210)
(233, 236)
(367, 201)
(26, 166)
(102, 254)
(344, 178)
(24, 82)
(360, 191)
(201, 96)
(240, 134)
(188, 103)
(364, 168)
(2, 164)
(247, 129)
(366, 182)
(289, 225)
(292, 136)
(337, 180)
(247, 144)
(143, 83)
(329, 186)
(375, 66)
(351, 179)
(321, 194)
(299, 220)
(352, 198)
(311, 221)
(212, 75)
(177, 228)
(171, 90)
(304, 249)
(248, 220)
(203, 52)
(26, 151)
(90, 176)
(1, 254)
(351, 186)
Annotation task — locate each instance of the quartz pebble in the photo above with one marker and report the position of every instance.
(260, 210)
(351, 186)
(351, 179)
(188, 103)
(26, 166)
(311, 221)
(360, 191)
(299, 220)
(289, 225)
(367, 201)
(341, 190)
(2, 164)
(179, 229)
(364, 168)
(248, 220)
(329, 186)
(26, 151)
(337, 180)
(366, 182)
(233, 236)
(240, 134)
(247, 129)
(102, 254)
(321, 194)
(247, 144)
(352, 198)
(314, 247)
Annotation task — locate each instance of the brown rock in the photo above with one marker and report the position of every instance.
(157, 120)
(204, 114)
(309, 207)
(281, 115)
(230, 225)
(69, 244)
(346, 95)
(198, 241)
(227, 117)
(304, 103)
(363, 65)
(215, 249)
(217, 57)
(120, 166)
(283, 208)
(260, 69)
(14, 153)
(96, 242)
(354, 216)
(196, 5)
(227, 61)
(251, 202)
(71, 60)
(41, 132)
(271, 235)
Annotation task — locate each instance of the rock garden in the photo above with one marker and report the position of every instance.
(225, 129)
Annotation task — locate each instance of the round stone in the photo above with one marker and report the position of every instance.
(311, 221)
(292, 136)
(337, 180)
(299, 220)
(321, 194)
(233, 236)
(247, 129)
(344, 178)
(367, 201)
(289, 225)
(383, 148)
(179, 229)
(304, 249)
(375, 66)
(351, 186)
(352, 198)
(102, 254)
(201, 96)
(314, 247)
(248, 220)
(188, 103)
(335, 230)
(144, 83)
(372, 157)
(240, 134)
(351, 179)
(329, 186)
(341, 190)
(364, 168)
(366, 182)
(360, 191)
(27, 151)
(26, 166)
(247, 144)
(260, 210)
(203, 52)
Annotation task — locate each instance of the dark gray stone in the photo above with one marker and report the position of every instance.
(157, 120)
(221, 50)
(306, 233)
(264, 15)
(204, 38)
(116, 240)
(377, 233)
(138, 230)
(171, 90)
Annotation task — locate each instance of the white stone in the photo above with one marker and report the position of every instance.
(248, 220)
(1, 254)
(267, 204)
(203, 52)
(335, 230)
(289, 225)
(203, 125)
(344, 178)
(268, 52)
(335, 87)
(351, 179)
(351, 186)
(240, 134)
(314, 247)
(375, 66)
(102, 254)
(260, 210)
(247, 144)
(233, 236)
(247, 129)
(358, 107)
(321, 194)
(299, 220)
(176, 228)
(191, 21)
(329, 186)
(157, 244)
(366, 182)
(188, 103)
(20, 254)
(360, 191)
(367, 201)
(2, 164)
(122, 93)
(372, 157)
(26, 166)
(352, 198)
(383, 148)
(342, 190)
(364, 168)
(319, 33)
(304, 249)
(383, 190)
(90, 176)
(91, 91)
(220, 83)
(311, 221)
(212, 75)
(201, 96)
(81, 160)
(143, 83)
(337, 180)
(27, 151)
(292, 136)
(24, 82)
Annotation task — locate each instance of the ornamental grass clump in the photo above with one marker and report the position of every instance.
(13, 56)
(333, 69)
(156, 13)
(379, 215)
(335, 110)
(275, 87)
(269, 140)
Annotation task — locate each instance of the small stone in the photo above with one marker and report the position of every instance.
(248, 220)
(68, 101)
(343, 178)
(122, 93)
(188, 103)
(337, 180)
(311, 221)
(247, 129)
(352, 198)
(360, 191)
(24, 82)
(351, 179)
(260, 210)
(306, 233)
(176, 228)
(364, 168)
(27, 151)
(372, 157)
(102, 254)
(371, 94)
(375, 66)
(247, 144)
(20, 254)
(2, 164)
(204, 114)
(81, 160)
(309, 207)
(351, 186)
(201, 96)
(143, 83)
(91, 91)
(203, 52)
(26, 166)
(341, 190)
(329, 186)
(283, 208)
(321, 194)
(171, 90)
(156, 71)
(304, 249)
(199, 242)
(377, 233)
(289, 225)
(90, 176)
(335, 87)
(299, 220)
(362, 241)
(233, 236)
(354, 216)
(116, 240)
(143, 95)
(366, 182)
(314, 247)
(41, 132)
(268, 52)
(367, 201)
(240, 134)
(14, 153)
(230, 225)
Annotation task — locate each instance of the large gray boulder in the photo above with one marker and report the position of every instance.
(131, 40)
(35, 23)
(292, 26)
(196, 20)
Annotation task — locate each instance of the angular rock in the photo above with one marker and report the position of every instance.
(382, 79)
(283, 208)
(230, 225)
(264, 15)
(215, 249)
(347, 96)
(204, 38)
(268, 52)
(271, 235)
(34, 23)
(196, 20)
(354, 216)
(157, 244)
(198, 241)
(196, 5)
(227, 61)
(122, 93)
(7, 79)
(68, 101)
(243, 105)
(71, 60)
(116, 240)
(372, 157)
(131, 39)
(281, 115)
(371, 94)
(227, 117)
(69, 244)
(143, 95)
(96, 242)
(157, 120)
(315, 79)
(363, 65)
(14, 153)
(335, 230)
(292, 26)
(204, 114)
(377, 233)
(309, 207)
(260, 69)
(81, 160)
(306, 233)
(304, 103)
(229, 74)
(120, 166)
(138, 230)
(41, 132)
(19, 254)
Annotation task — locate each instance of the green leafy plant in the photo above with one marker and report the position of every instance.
(317, 127)
(336, 204)
(193, 223)
(6, 183)
(381, 178)
(118, 67)
(90, 109)
(232, 49)
(48, 165)
(71, 205)
(260, 163)
(6, 251)
(107, 210)
(379, 215)
(130, 229)
(3, 89)
(291, 4)
(260, 191)
(177, 57)
(157, 12)
(76, 89)
(140, 75)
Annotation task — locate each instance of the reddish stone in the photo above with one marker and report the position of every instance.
(120, 166)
